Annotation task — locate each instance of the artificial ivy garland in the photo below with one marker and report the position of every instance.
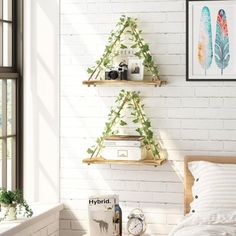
(131, 100)
(125, 25)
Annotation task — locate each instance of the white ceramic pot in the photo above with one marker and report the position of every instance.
(9, 212)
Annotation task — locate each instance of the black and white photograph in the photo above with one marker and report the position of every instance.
(135, 69)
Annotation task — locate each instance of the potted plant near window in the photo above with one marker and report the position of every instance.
(12, 203)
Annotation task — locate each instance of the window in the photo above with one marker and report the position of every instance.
(9, 96)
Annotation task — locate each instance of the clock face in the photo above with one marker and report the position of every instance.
(135, 226)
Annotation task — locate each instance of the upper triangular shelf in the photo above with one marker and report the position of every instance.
(116, 42)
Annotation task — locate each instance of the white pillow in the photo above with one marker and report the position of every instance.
(214, 186)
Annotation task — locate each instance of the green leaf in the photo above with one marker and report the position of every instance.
(122, 123)
(145, 48)
(150, 134)
(90, 151)
(122, 46)
(149, 58)
(89, 71)
(139, 131)
(99, 140)
(122, 20)
(145, 142)
(134, 45)
(148, 123)
(106, 62)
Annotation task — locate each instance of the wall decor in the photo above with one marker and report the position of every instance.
(211, 40)
(135, 69)
(117, 41)
(127, 100)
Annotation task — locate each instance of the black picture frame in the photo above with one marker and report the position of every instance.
(188, 44)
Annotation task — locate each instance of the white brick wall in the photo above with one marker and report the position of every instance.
(189, 118)
(46, 227)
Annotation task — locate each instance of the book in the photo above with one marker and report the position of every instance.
(101, 215)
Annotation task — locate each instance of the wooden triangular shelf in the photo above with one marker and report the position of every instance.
(124, 26)
(101, 160)
(132, 100)
(155, 83)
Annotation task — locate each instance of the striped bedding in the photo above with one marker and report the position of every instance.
(214, 186)
(213, 210)
(211, 223)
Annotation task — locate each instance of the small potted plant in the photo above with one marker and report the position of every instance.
(12, 203)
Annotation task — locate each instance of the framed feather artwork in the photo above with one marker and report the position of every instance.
(211, 40)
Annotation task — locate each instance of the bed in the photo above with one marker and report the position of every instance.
(209, 197)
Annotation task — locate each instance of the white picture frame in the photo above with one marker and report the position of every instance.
(135, 69)
(196, 29)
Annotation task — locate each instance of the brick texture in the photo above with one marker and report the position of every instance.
(46, 227)
(188, 118)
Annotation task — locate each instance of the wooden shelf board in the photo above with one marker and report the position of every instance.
(100, 160)
(123, 82)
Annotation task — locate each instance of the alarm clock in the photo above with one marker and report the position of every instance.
(136, 225)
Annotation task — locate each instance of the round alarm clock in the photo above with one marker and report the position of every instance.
(136, 225)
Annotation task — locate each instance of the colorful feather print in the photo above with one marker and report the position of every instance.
(205, 48)
(222, 52)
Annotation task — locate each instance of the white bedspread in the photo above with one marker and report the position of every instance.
(211, 223)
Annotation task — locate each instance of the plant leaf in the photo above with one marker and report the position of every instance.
(122, 123)
(89, 151)
(89, 71)
(122, 46)
(134, 45)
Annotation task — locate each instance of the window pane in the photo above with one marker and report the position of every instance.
(1, 43)
(1, 110)
(11, 109)
(7, 96)
(7, 44)
(10, 162)
(0, 163)
(7, 9)
(1, 9)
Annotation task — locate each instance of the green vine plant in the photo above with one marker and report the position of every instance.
(116, 42)
(131, 100)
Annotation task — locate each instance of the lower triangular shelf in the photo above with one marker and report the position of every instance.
(101, 160)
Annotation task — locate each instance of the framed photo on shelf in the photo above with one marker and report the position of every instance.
(211, 40)
(135, 69)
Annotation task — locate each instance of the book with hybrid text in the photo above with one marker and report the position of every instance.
(101, 215)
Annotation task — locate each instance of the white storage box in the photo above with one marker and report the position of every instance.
(121, 147)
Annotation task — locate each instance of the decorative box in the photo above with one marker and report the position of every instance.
(124, 147)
